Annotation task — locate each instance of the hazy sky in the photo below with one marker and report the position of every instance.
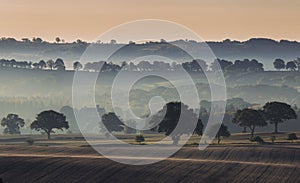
(211, 19)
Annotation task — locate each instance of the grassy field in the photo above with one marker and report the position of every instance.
(68, 158)
(79, 140)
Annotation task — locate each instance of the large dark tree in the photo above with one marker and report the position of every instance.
(12, 124)
(278, 112)
(279, 64)
(249, 118)
(48, 120)
(168, 118)
(112, 122)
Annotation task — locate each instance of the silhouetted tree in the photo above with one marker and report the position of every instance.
(199, 127)
(245, 66)
(278, 112)
(249, 118)
(77, 65)
(279, 64)
(131, 42)
(112, 67)
(222, 131)
(254, 65)
(291, 65)
(13, 63)
(57, 39)
(49, 120)
(42, 64)
(12, 124)
(163, 41)
(113, 41)
(59, 64)
(37, 40)
(112, 122)
(187, 66)
(50, 64)
(220, 64)
(168, 119)
(297, 62)
(124, 64)
(139, 139)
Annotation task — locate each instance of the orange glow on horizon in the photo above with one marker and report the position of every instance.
(212, 20)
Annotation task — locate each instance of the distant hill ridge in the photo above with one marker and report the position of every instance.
(265, 50)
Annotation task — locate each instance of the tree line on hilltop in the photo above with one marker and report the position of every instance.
(197, 65)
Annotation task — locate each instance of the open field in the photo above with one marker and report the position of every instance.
(68, 158)
(78, 140)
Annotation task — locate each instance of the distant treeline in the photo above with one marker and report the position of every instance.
(35, 49)
(198, 65)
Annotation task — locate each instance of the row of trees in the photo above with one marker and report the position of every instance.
(293, 65)
(272, 112)
(38, 40)
(50, 64)
(168, 119)
(198, 65)
(165, 121)
(45, 121)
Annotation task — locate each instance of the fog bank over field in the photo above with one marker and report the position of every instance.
(28, 91)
